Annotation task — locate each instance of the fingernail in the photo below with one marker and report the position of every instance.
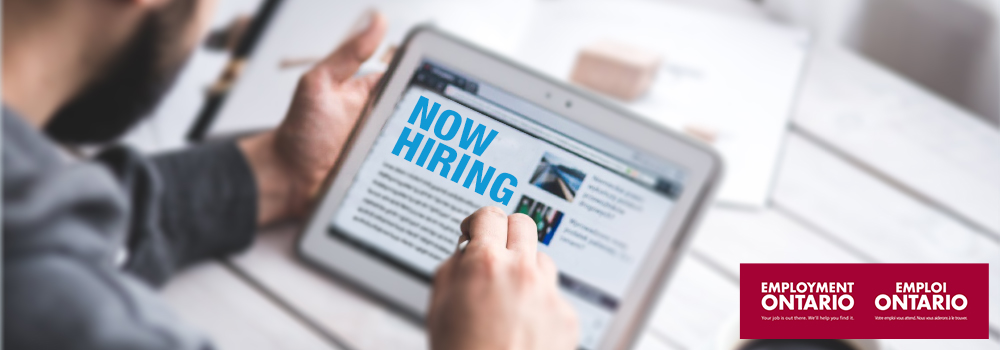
(364, 23)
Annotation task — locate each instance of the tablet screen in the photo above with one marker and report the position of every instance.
(454, 144)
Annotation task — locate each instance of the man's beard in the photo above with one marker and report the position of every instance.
(132, 85)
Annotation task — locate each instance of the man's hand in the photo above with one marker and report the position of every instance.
(291, 161)
(500, 293)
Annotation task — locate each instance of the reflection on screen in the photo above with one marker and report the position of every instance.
(454, 144)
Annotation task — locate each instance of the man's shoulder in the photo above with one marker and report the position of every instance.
(49, 201)
(25, 150)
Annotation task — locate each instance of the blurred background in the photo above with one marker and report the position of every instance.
(948, 47)
(852, 131)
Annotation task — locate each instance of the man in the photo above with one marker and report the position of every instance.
(87, 239)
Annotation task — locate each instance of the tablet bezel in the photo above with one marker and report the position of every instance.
(402, 290)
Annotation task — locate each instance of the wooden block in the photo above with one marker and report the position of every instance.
(702, 132)
(615, 69)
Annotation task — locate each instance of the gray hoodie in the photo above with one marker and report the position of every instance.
(85, 242)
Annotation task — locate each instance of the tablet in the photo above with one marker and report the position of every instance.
(452, 128)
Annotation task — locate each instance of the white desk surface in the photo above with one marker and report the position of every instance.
(875, 169)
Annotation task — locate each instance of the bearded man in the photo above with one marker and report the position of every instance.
(88, 239)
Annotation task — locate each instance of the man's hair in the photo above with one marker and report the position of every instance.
(132, 84)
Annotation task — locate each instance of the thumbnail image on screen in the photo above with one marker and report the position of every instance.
(546, 218)
(557, 178)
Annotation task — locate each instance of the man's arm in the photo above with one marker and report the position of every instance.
(214, 196)
(185, 207)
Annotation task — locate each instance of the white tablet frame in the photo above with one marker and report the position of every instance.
(409, 294)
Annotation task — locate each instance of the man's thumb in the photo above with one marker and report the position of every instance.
(359, 46)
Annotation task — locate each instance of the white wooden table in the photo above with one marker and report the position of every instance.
(875, 169)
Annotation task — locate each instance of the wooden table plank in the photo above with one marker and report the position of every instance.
(913, 139)
(347, 314)
(875, 219)
(233, 314)
(729, 237)
(697, 302)
(649, 341)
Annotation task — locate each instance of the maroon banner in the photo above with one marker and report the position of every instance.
(864, 301)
